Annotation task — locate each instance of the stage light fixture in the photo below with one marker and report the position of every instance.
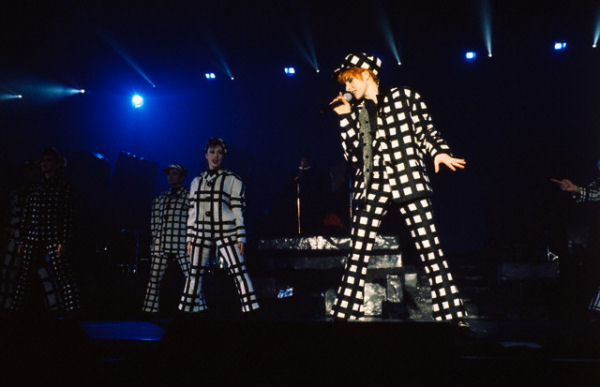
(290, 71)
(558, 46)
(20, 96)
(82, 91)
(210, 76)
(137, 101)
(470, 56)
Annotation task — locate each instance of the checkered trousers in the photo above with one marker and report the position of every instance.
(11, 265)
(59, 270)
(405, 133)
(169, 222)
(193, 299)
(418, 216)
(158, 267)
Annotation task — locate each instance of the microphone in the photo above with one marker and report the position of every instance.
(331, 106)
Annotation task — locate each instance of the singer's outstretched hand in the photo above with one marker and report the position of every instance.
(344, 108)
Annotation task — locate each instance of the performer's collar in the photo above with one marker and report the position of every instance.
(213, 172)
(176, 190)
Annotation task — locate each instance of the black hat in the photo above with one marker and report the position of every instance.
(362, 60)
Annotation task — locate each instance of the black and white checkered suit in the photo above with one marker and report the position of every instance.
(169, 231)
(47, 222)
(404, 134)
(11, 266)
(216, 221)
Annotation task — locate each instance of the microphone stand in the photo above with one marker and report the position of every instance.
(298, 205)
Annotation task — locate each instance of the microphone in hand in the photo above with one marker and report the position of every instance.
(333, 105)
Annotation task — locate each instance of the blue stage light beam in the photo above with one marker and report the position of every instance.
(388, 34)
(111, 42)
(219, 54)
(7, 96)
(486, 25)
(596, 29)
(137, 101)
(306, 54)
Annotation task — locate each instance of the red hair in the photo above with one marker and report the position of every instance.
(354, 72)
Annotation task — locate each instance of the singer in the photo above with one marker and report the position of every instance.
(386, 134)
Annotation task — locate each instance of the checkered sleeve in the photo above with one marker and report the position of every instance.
(192, 211)
(65, 225)
(590, 193)
(350, 137)
(431, 142)
(238, 205)
(155, 226)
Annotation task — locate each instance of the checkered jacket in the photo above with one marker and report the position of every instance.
(590, 193)
(169, 222)
(218, 200)
(405, 133)
(48, 213)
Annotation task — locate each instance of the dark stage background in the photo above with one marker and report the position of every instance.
(519, 118)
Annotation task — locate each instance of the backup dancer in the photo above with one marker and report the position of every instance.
(386, 135)
(168, 224)
(46, 233)
(216, 222)
(11, 266)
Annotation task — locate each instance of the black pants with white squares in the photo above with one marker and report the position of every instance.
(193, 299)
(418, 215)
(59, 270)
(158, 267)
(9, 276)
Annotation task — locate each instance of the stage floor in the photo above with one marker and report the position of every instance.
(307, 352)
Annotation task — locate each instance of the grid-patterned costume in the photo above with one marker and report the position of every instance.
(590, 193)
(47, 221)
(216, 221)
(403, 134)
(9, 272)
(168, 224)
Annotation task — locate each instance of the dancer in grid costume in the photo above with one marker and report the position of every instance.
(385, 136)
(589, 193)
(168, 224)
(11, 266)
(216, 222)
(46, 231)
